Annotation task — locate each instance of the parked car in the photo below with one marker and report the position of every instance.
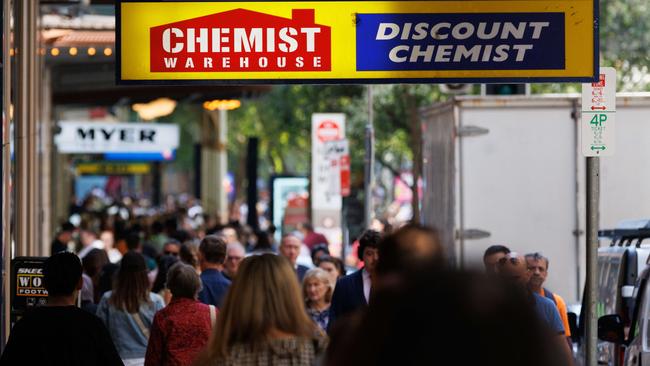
(622, 277)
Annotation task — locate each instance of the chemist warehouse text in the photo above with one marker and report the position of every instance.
(384, 42)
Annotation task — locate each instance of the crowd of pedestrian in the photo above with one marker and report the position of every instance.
(164, 292)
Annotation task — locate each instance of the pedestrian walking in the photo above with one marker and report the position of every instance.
(128, 309)
(263, 321)
(165, 262)
(212, 255)
(492, 256)
(63, 238)
(538, 267)
(190, 254)
(311, 238)
(172, 247)
(334, 268)
(290, 249)
(513, 268)
(411, 247)
(92, 266)
(352, 292)
(317, 252)
(180, 330)
(317, 290)
(60, 333)
(234, 255)
(437, 316)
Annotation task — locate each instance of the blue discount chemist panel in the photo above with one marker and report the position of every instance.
(482, 41)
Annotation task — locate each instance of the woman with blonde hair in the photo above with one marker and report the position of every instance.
(317, 290)
(263, 320)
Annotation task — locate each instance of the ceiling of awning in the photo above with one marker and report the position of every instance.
(82, 62)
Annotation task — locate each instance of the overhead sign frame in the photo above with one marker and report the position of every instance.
(139, 18)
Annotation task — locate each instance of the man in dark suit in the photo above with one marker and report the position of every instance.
(212, 255)
(353, 291)
(290, 249)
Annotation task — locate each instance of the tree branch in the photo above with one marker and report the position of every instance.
(396, 173)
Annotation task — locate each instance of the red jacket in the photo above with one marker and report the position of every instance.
(313, 238)
(179, 332)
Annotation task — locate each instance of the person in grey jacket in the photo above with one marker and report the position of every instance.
(128, 310)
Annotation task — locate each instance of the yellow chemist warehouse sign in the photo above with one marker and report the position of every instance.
(357, 41)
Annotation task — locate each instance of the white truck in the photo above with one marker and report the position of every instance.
(518, 177)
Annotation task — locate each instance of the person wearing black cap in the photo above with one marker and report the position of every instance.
(60, 333)
(60, 242)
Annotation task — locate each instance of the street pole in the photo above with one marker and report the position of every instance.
(25, 58)
(369, 163)
(593, 200)
(222, 164)
(6, 170)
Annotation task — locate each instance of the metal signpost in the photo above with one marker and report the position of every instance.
(369, 160)
(325, 197)
(597, 139)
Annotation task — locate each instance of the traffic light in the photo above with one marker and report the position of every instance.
(505, 89)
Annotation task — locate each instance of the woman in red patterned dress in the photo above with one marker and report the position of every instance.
(180, 330)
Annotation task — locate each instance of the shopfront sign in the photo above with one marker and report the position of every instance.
(357, 41)
(102, 137)
(101, 168)
(27, 288)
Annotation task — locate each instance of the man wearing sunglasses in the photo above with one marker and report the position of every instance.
(172, 247)
(513, 268)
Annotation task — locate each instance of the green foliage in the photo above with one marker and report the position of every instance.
(624, 43)
(282, 121)
(188, 118)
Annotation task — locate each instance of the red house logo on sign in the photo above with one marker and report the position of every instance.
(242, 40)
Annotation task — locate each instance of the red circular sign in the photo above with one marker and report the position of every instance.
(328, 131)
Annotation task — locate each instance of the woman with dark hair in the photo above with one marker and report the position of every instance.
(425, 315)
(263, 321)
(92, 264)
(262, 244)
(181, 330)
(165, 262)
(129, 309)
(189, 254)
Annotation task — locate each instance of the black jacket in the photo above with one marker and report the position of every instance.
(348, 296)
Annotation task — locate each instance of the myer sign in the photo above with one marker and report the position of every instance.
(100, 137)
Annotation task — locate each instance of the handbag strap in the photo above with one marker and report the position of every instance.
(140, 323)
(213, 316)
